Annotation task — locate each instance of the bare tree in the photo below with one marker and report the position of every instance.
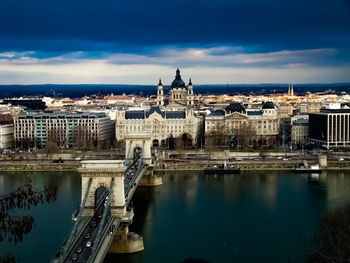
(217, 137)
(14, 227)
(7, 118)
(24, 143)
(51, 148)
(331, 241)
(245, 134)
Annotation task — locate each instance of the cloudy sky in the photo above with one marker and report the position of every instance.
(140, 41)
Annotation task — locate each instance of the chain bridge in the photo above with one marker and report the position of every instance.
(102, 219)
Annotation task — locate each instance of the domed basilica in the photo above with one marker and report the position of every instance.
(179, 96)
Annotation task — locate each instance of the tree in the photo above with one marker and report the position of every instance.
(25, 143)
(217, 137)
(6, 118)
(51, 148)
(186, 139)
(14, 227)
(331, 241)
(245, 134)
(84, 138)
(171, 142)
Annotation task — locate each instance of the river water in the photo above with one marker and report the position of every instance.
(250, 217)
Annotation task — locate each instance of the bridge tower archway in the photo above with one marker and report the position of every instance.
(102, 173)
(100, 194)
(138, 141)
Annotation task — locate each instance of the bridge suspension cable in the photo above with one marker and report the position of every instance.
(73, 232)
(128, 154)
(143, 149)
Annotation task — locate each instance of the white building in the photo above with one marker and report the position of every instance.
(262, 119)
(162, 124)
(6, 135)
(65, 129)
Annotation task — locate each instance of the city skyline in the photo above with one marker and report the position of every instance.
(232, 42)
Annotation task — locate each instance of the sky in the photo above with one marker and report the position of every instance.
(140, 41)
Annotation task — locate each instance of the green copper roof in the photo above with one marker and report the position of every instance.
(178, 82)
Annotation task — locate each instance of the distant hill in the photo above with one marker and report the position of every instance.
(8, 91)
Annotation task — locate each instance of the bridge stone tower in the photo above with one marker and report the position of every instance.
(140, 140)
(101, 172)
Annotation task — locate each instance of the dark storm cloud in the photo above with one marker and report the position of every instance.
(64, 25)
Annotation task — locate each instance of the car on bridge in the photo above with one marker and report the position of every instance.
(89, 244)
(87, 236)
(75, 257)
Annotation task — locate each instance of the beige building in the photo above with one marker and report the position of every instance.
(6, 135)
(285, 110)
(308, 107)
(262, 121)
(300, 132)
(161, 124)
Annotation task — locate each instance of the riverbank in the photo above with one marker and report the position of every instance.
(289, 165)
(172, 165)
(38, 166)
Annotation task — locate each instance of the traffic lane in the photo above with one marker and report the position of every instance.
(82, 243)
(82, 240)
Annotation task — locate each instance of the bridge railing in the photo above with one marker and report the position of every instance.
(77, 224)
(106, 230)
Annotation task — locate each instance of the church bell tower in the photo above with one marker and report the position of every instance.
(160, 94)
(190, 96)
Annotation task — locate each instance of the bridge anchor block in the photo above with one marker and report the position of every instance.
(126, 242)
(149, 179)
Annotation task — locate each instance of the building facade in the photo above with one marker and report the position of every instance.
(6, 135)
(64, 129)
(262, 123)
(309, 107)
(162, 124)
(329, 128)
(300, 133)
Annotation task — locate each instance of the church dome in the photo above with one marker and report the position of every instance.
(178, 82)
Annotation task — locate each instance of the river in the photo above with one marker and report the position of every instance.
(249, 217)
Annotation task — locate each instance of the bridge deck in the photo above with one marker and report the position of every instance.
(89, 231)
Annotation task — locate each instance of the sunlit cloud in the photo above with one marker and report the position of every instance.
(214, 65)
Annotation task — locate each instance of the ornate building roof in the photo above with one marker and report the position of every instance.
(147, 113)
(235, 107)
(178, 82)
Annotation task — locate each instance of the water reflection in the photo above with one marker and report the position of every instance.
(52, 220)
(218, 218)
(230, 214)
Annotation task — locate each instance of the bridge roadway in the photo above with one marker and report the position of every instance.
(79, 251)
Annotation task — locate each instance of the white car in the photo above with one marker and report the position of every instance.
(88, 244)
